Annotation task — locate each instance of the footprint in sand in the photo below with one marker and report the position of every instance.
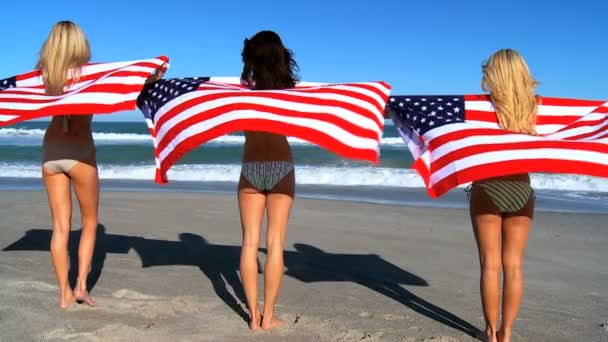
(395, 317)
(148, 306)
(357, 335)
(441, 339)
(33, 285)
(132, 295)
(108, 333)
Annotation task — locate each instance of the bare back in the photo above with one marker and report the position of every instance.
(76, 129)
(260, 146)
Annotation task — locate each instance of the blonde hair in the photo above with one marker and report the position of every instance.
(62, 56)
(507, 77)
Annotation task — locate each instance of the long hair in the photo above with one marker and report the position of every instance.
(62, 56)
(267, 63)
(507, 77)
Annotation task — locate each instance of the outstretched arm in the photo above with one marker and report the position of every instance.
(158, 74)
(387, 111)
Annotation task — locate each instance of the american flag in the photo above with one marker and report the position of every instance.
(183, 113)
(457, 139)
(102, 88)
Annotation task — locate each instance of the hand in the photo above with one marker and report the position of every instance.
(387, 112)
(158, 74)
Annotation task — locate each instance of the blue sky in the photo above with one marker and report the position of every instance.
(419, 47)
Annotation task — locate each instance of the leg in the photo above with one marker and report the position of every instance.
(86, 187)
(514, 236)
(487, 229)
(279, 203)
(60, 200)
(251, 207)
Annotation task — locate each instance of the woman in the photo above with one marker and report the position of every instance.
(69, 159)
(267, 181)
(68, 154)
(502, 208)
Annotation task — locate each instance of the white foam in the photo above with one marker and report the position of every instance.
(38, 134)
(30, 136)
(349, 176)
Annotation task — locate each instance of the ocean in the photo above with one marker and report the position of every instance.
(125, 159)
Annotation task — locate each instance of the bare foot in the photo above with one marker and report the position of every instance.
(83, 296)
(254, 324)
(490, 336)
(67, 300)
(503, 336)
(274, 323)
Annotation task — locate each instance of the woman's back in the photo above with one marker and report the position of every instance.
(75, 128)
(261, 146)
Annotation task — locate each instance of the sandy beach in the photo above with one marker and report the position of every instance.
(166, 269)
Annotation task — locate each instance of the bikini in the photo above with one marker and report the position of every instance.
(61, 155)
(265, 175)
(505, 196)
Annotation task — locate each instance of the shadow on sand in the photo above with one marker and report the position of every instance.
(220, 263)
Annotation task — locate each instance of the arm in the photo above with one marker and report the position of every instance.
(158, 74)
(387, 111)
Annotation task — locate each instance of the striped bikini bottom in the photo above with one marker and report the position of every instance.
(503, 197)
(265, 175)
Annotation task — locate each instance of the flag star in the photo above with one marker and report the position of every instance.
(423, 107)
(449, 103)
(456, 99)
(400, 104)
(423, 99)
(407, 99)
(449, 114)
(416, 103)
(190, 88)
(456, 110)
(433, 113)
(439, 99)
(423, 120)
(415, 117)
(431, 123)
(440, 108)
(392, 99)
(432, 103)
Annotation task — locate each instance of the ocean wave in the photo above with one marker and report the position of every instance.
(346, 176)
(25, 136)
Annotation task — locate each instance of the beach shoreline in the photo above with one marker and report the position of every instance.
(559, 201)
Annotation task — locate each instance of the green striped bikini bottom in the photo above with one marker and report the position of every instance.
(266, 175)
(507, 196)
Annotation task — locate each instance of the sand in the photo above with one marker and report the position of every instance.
(166, 269)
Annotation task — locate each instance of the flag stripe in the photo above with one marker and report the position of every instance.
(102, 88)
(460, 144)
(185, 113)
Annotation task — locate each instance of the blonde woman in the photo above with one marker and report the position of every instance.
(502, 208)
(69, 160)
